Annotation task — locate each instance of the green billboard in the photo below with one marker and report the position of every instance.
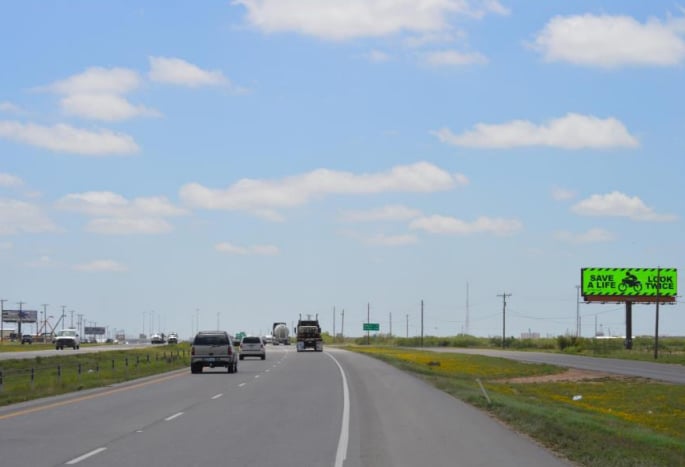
(629, 282)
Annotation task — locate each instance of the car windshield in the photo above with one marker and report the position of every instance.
(251, 340)
(66, 333)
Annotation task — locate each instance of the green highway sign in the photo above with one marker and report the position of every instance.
(629, 282)
(372, 327)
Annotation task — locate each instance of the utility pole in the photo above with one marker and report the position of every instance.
(2, 319)
(63, 315)
(80, 323)
(45, 321)
(390, 324)
(71, 322)
(504, 296)
(19, 332)
(333, 323)
(421, 323)
(466, 323)
(656, 326)
(342, 325)
(368, 320)
(577, 311)
(407, 318)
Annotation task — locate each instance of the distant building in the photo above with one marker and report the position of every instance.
(530, 335)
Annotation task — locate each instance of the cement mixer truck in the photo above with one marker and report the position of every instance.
(280, 334)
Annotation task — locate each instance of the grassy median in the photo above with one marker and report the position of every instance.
(591, 419)
(26, 379)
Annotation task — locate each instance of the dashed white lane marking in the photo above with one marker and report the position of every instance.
(241, 385)
(256, 376)
(217, 396)
(173, 416)
(85, 456)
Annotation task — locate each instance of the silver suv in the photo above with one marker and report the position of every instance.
(212, 349)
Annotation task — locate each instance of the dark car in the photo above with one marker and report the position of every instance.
(27, 339)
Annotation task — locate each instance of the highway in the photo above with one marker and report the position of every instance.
(334, 408)
(53, 352)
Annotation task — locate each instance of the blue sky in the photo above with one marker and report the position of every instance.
(259, 159)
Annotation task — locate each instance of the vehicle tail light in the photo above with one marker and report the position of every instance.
(192, 350)
(230, 350)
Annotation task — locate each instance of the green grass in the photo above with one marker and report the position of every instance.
(26, 379)
(617, 422)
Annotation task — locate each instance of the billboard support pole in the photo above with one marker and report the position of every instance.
(629, 325)
(656, 326)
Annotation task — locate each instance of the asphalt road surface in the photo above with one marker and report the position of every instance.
(334, 408)
(671, 373)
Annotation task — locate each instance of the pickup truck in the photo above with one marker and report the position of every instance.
(212, 349)
(67, 338)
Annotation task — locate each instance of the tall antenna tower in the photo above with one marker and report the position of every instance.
(466, 321)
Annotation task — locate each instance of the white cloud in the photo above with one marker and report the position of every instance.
(450, 225)
(390, 240)
(107, 107)
(21, 217)
(591, 236)
(454, 58)
(260, 250)
(180, 72)
(335, 20)
(8, 107)
(103, 265)
(573, 131)
(128, 226)
(97, 80)
(116, 215)
(611, 41)
(377, 56)
(107, 203)
(617, 204)
(97, 94)
(65, 138)
(442, 37)
(42, 262)
(562, 194)
(10, 181)
(263, 196)
(385, 213)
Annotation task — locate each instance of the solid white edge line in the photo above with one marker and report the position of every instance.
(341, 453)
(173, 416)
(217, 396)
(85, 456)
